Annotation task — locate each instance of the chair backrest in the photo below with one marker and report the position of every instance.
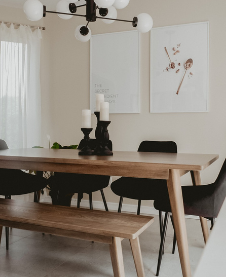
(3, 145)
(92, 144)
(158, 146)
(220, 189)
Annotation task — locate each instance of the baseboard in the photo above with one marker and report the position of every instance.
(127, 208)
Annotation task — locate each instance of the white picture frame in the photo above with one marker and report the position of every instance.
(115, 70)
(192, 42)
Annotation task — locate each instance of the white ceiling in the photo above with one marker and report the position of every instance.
(51, 4)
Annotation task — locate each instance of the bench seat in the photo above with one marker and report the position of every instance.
(98, 226)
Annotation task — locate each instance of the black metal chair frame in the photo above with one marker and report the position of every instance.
(36, 195)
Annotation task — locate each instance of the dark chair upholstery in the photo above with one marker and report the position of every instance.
(70, 183)
(144, 189)
(204, 201)
(17, 182)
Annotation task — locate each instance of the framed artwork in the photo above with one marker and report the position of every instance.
(180, 68)
(114, 71)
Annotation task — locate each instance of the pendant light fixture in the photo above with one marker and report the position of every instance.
(95, 9)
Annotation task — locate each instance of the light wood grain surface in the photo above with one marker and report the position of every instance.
(177, 207)
(129, 164)
(99, 226)
(117, 258)
(196, 180)
(73, 219)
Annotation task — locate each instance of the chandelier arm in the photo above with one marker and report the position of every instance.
(81, 6)
(66, 13)
(130, 21)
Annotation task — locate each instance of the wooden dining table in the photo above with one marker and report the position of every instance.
(128, 164)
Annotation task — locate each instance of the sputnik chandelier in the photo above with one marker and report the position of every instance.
(95, 9)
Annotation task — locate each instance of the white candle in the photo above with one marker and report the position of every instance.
(99, 99)
(104, 111)
(86, 118)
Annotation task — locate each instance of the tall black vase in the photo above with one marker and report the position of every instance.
(105, 151)
(98, 133)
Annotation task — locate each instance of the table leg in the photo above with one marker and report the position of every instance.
(135, 246)
(196, 180)
(117, 257)
(177, 207)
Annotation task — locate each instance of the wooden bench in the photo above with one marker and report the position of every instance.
(99, 226)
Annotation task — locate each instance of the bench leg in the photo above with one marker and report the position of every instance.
(135, 246)
(117, 258)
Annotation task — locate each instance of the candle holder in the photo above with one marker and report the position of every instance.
(105, 151)
(98, 132)
(86, 150)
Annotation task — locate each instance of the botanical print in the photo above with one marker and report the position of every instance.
(177, 65)
(179, 68)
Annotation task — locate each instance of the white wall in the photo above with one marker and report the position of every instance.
(65, 83)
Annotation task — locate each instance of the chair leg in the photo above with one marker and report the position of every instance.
(161, 227)
(174, 237)
(120, 205)
(7, 237)
(0, 233)
(160, 222)
(174, 243)
(138, 208)
(7, 228)
(91, 201)
(212, 223)
(36, 200)
(80, 196)
(162, 243)
(104, 200)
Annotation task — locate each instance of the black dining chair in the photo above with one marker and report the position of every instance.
(141, 188)
(16, 182)
(65, 185)
(204, 201)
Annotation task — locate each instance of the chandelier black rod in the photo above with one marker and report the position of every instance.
(66, 13)
(81, 15)
(116, 19)
(81, 6)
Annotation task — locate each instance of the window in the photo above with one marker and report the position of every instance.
(20, 95)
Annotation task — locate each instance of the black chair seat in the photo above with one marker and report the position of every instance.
(64, 185)
(198, 200)
(17, 182)
(139, 188)
(80, 183)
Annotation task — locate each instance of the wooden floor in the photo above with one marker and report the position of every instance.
(34, 255)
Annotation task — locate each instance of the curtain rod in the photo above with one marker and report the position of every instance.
(18, 25)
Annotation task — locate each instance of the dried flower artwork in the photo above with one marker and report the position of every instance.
(172, 65)
(179, 68)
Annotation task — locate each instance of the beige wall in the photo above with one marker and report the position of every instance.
(65, 83)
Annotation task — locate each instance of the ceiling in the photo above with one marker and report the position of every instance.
(51, 4)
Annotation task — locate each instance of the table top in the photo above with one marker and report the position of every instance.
(126, 164)
(185, 161)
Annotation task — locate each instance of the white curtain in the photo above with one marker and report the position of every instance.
(20, 93)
